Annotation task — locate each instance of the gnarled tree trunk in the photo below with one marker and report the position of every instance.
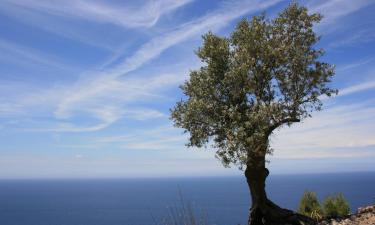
(263, 211)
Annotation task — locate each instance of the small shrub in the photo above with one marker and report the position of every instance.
(329, 207)
(343, 208)
(309, 206)
(336, 206)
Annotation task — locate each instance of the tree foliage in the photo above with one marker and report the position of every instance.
(267, 74)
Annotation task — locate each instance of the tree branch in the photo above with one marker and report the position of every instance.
(281, 122)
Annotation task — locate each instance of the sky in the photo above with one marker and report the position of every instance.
(86, 88)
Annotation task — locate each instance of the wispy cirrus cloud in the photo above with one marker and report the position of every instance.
(81, 21)
(157, 138)
(327, 153)
(360, 37)
(10, 109)
(112, 97)
(143, 14)
(353, 65)
(106, 115)
(25, 56)
(341, 127)
(333, 10)
(109, 82)
(366, 83)
(357, 88)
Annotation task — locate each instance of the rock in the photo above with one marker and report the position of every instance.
(364, 216)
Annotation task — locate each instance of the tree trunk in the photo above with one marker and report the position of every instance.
(263, 211)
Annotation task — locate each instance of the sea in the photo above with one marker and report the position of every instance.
(154, 201)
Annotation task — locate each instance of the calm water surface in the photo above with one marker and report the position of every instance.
(225, 201)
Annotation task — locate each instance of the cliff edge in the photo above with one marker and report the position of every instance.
(364, 216)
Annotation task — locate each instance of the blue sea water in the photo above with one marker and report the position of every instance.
(225, 200)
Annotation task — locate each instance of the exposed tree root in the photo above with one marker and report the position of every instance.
(272, 214)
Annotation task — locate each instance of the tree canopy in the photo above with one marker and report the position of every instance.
(267, 74)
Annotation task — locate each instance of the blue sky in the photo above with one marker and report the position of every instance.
(86, 88)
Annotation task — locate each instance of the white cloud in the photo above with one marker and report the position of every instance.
(21, 55)
(109, 84)
(142, 15)
(365, 85)
(109, 91)
(106, 114)
(333, 10)
(159, 138)
(117, 165)
(108, 100)
(78, 156)
(353, 65)
(357, 88)
(9, 109)
(341, 153)
(18, 99)
(143, 114)
(354, 38)
(81, 20)
(345, 126)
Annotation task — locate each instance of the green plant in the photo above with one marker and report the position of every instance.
(329, 207)
(316, 214)
(310, 206)
(342, 205)
(336, 206)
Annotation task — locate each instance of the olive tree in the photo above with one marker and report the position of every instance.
(266, 75)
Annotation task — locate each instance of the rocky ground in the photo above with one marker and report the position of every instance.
(364, 216)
